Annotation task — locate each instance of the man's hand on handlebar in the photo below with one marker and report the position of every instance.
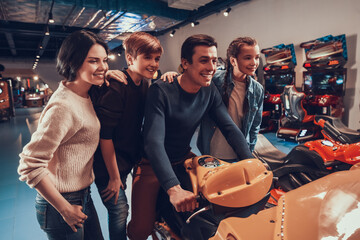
(182, 200)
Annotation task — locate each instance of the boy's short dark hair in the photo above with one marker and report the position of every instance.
(142, 43)
(73, 52)
(187, 48)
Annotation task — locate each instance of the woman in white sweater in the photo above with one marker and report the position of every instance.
(58, 160)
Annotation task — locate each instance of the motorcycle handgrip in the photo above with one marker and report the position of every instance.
(197, 213)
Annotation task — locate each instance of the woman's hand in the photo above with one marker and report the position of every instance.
(112, 189)
(169, 76)
(117, 75)
(74, 216)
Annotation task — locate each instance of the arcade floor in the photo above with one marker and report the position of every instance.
(17, 211)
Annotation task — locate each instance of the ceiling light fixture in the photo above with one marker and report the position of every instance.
(172, 33)
(193, 24)
(152, 25)
(51, 19)
(226, 13)
(47, 32)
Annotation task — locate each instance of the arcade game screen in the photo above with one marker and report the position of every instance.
(323, 82)
(275, 83)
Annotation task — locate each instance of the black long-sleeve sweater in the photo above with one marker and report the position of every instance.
(120, 109)
(171, 118)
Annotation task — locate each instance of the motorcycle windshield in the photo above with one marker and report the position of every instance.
(340, 213)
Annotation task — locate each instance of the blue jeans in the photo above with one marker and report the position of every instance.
(56, 228)
(117, 213)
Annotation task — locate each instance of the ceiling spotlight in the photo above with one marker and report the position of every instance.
(152, 25)
(226, 13)
(119, 54)
(51, 19)
(172, 33)
(47, 32)
(38, 56)
(111, 56)
(193, 24)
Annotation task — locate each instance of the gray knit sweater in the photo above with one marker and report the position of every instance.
(63, 144)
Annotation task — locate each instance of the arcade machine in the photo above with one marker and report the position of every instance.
(323, 88)
(295, 123)
(279, 72)
(18, 94)
(37, 93)
(324, 80)
(6, 100)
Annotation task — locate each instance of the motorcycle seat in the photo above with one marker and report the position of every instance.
(266, 151)
(292, 100)
(352, 135)
(299, 156)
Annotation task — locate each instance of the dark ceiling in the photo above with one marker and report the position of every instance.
(23, 23)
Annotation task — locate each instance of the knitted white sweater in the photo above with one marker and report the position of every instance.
(63, 144)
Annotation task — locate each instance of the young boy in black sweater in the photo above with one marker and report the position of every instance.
(120, 109)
